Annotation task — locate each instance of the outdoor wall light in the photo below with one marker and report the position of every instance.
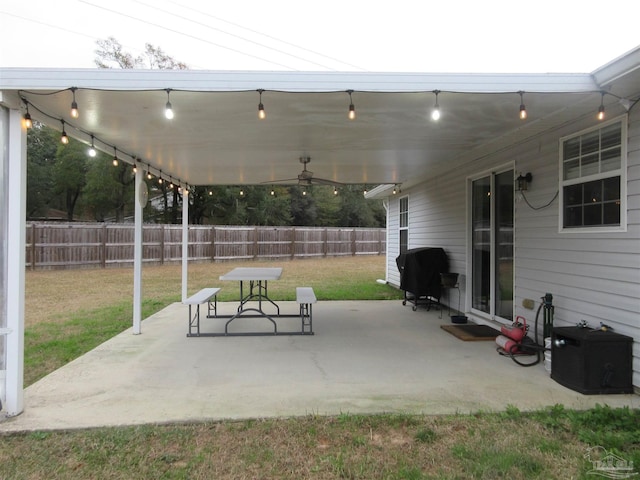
(523, 181)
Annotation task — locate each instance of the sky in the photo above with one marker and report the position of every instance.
(453, 36)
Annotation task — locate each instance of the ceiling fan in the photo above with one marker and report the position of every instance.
(306, 177)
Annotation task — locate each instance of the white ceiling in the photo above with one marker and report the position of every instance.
(217, 138)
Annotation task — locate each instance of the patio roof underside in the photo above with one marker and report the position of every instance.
(217, 138)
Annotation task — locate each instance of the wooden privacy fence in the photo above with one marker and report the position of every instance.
(79, 245)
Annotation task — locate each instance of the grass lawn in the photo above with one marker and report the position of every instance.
(70, 312)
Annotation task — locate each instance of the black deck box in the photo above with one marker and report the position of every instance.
(591, 361)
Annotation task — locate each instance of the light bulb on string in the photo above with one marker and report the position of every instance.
(435, 113)
(352, 108)
(601, 114)
(523, 109)
(28, 123)
(74, 105)
(92, 149)
(261, 112)
(64, 138)
(115, 157)
(168, 109)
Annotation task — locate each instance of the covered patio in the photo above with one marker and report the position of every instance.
(365, 357)
(362, 362)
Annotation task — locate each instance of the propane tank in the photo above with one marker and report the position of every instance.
(507, 344)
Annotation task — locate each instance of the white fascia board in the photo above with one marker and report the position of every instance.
(381, 191)
(226, 81)
(617, 68)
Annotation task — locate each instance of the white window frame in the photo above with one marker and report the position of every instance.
(402, 227)
(621, 172)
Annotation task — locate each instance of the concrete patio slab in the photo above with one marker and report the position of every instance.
(365, 357)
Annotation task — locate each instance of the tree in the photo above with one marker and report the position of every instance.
(109, 190)
(69, 174)
(111, 55)
(42, 145)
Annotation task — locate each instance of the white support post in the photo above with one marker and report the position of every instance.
(137, 252)
(16, 215)
(185, 241)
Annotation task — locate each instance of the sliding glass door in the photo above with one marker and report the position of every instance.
(492, 245)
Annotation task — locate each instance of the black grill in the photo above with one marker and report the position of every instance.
(420, 270)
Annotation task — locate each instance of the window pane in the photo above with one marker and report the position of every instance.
(589, 165)
(593, 214)
(610, 160)
(611, 213)
(591, 142)
(611, 188)
(481, 244)
(571, 148)
(571, 169)
(573, 217)
(592, 192)
(611, 136)
(573, 195)
(504, 245)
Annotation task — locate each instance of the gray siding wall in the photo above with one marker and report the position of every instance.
(592, 276)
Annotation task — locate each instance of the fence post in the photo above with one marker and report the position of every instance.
(33, 246)
(163, 232)
(293, 242)
(213, 243)
(255, 242)
(103, 246)
(325, 241)
(353, 242)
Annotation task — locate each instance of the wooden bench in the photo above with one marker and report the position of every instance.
(208, 296)
(306, 298)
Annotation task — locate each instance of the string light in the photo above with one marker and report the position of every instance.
(523, 109)
(74, 106)
(241, 192)
(171, 182)
(92, 149)
(160, 178)
(64, 138)
(435, 113)
(261, 113)
(168, 110)
(115, 157)
(149, 176)
(352, 108)
(135, 166)
(601, 108)
(335, 190)
(28, 123)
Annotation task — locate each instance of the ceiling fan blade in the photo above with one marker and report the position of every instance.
(324, 181)
(282, 180)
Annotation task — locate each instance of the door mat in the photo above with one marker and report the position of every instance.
(471, 332)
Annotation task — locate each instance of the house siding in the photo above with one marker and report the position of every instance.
(592, 276)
